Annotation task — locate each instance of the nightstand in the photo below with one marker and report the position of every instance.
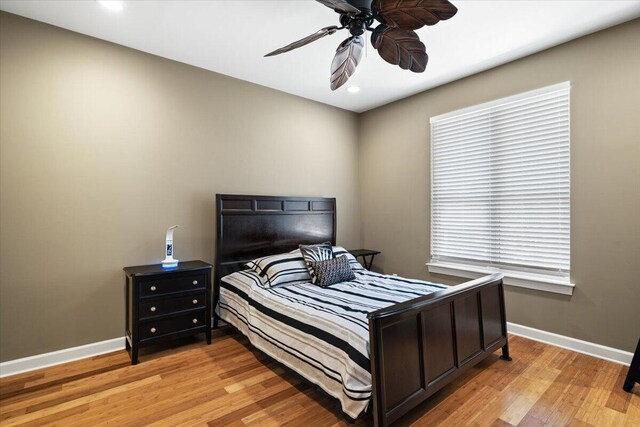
(166, 303)
(364, 253)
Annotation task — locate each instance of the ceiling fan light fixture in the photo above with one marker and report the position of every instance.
(394, 38)
(112, 5)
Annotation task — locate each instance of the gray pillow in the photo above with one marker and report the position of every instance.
(315, 253)
(331, 271)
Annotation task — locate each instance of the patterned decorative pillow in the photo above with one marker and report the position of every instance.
(280, 269)
(340, 251)
(331, 271)
(315, 253)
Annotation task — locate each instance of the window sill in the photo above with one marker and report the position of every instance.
(512, 278)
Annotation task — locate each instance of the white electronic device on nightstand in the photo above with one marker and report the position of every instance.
(169, 261)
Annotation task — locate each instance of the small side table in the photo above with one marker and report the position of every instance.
(633, 376)
(364, 253)
(166, 303)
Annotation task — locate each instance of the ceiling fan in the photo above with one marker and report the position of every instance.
(394, 38)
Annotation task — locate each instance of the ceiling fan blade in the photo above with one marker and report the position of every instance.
(413, 14)
(345, 61)
(400, 47)
(305, 41)
(341, 6)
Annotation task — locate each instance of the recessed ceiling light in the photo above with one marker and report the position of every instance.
(114, 5)
(353, 89)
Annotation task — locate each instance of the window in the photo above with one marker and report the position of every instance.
(500, 190)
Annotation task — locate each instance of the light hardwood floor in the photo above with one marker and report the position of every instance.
(229, 383)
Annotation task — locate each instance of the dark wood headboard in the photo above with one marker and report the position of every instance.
(250, 227)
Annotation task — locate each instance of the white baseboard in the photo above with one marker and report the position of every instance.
(45, 360)
(584, 347)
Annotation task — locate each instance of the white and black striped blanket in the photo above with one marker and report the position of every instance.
(321, 333)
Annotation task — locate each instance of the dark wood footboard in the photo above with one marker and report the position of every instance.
(421, 345)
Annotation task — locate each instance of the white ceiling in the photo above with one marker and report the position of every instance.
(231, 37)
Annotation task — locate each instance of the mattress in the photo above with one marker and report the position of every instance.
(320, 333)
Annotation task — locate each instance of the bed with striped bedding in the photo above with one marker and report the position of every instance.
(321, 333)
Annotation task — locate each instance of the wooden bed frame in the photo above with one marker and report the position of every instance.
(418, 346)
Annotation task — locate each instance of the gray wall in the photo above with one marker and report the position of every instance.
(604, 69)
(104, 147)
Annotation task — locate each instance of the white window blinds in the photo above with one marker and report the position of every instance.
(500, 184)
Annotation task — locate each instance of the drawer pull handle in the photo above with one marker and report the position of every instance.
(195, 301)
(153, 288)
(195, 320)
(195, 282)
(152, 309)
(153, 330)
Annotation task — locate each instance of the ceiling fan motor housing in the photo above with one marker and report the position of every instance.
(357, 26)
(361, 4)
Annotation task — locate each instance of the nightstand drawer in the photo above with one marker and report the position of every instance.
(158, 328)
(172, 305)
(155, 287)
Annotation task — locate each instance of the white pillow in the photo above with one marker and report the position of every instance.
(353, 262)
(281, 269)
